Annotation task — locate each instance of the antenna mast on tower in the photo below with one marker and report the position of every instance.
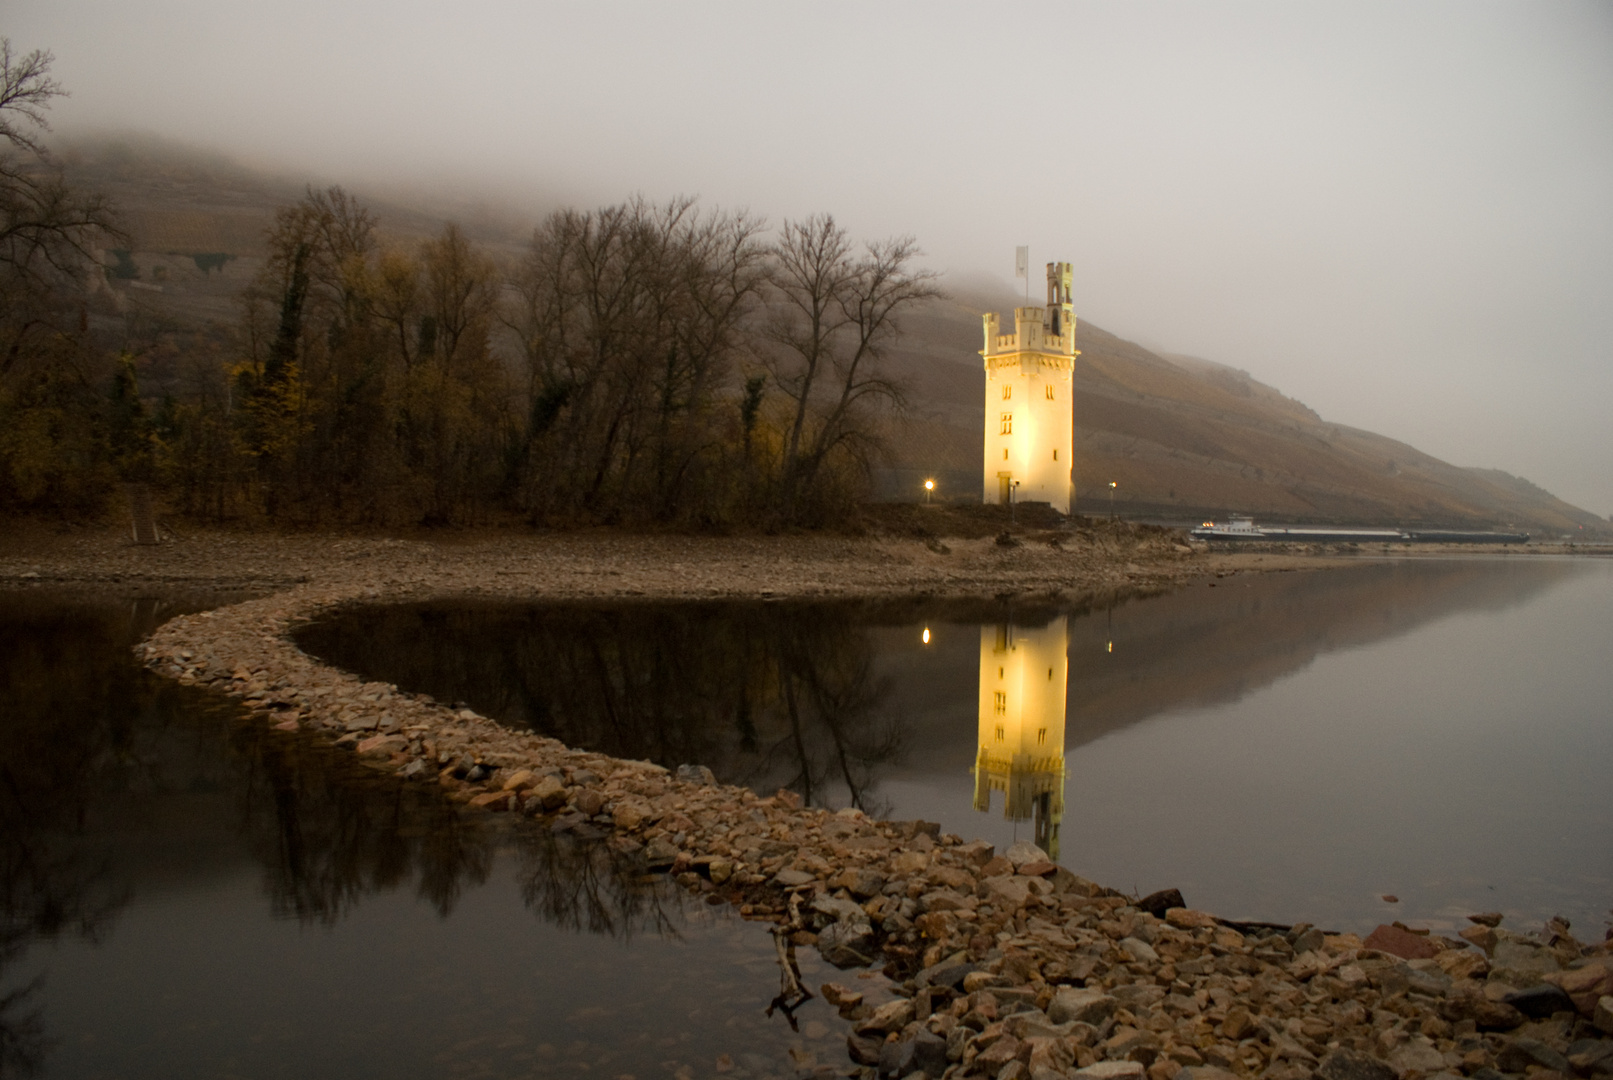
(1022, 269)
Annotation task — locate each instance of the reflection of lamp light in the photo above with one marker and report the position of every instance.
(926, 635)
(1111, 500)
(929, 486)
(1111, 646)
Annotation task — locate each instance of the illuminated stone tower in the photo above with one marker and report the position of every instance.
(1030, 414)
(1023, 675)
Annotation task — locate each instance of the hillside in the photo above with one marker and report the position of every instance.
(1187, 438)
(1182, 437)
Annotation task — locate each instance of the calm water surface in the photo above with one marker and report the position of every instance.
(1284, 747)
(185, 894)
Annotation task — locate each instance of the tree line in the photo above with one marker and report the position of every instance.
(642, 363)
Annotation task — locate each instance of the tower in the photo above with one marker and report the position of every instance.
(1024, 673)
(1030, 407)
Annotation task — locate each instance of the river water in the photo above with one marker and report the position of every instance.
(187, 894)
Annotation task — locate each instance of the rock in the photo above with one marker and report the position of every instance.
(1353, 1065)
(694, 774)
(1486, 1014)
(549, 792)
(950, 973)
(1541, 1001)
(1311, 940)
(847, 944)
(910, 863)
(627, 816)
(1158, 903)
(478, 773)
(1005, 893)
(828, 909)
(1482, 936)
(519, 780)
(720, 870)
(1112, 1070)
(660, 852)
(1139, 951)
(1023, 851)
(840, 996)
(978, 853)
(1417, 1054)
(587, 801)
(859, 881)
(1239, 1024)
(1602, 1015)
(924, 1052)
(864, 1050)
(1520, 1053)
(998, 1054)
(1586, 985)
(1037, 869)
(1087, 1006)
(1486, 918)
(414, 770)
(891, 1016)
(1204, 1072)
(788, 799)
(790, 879)
(996, 867)
(1402, 943)
(1591, 1057)
(1521, 961)
(1463, 964)
(1187, 919)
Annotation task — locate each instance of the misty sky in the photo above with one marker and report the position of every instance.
(1399, 213)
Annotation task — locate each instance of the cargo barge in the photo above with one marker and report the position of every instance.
(1239, 527)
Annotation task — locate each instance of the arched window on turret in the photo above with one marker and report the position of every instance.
(1008, 391)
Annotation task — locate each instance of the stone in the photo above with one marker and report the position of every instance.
(1187, 919)
(1586, 985)
(1482, 936)
(889, 1017)
(627, 816)
(1591, 1057)
(1204, 1072)
(910, 863)
(998, 1054)
(1345, 1064)
(789, 879)
(847, 944)
(549, 792)
(587, 801)
(414, 770)
(660, 852)
(1005, 893)
(829, 909)
(996, 867)
(1023, 851)
(977, 853)
(1139, 951)
(1540, 1002)
(1520, 1053)
(1463, 964)
(1417, 1054)
(1239, 1024)
(720, 870)
(1311, 940)
(1486, 918)
(949, 973)
(519, 780)
(1602, 1015)
(864, 1050)
(1158, 903)
(840, 996)
(1087, 1006)
(1112, 1070)
(695, 774)
(1037, 869)
(1402, 943)
(924, 1053)
(859, 881)
(788, 799)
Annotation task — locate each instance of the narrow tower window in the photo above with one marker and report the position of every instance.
(1055, 453)
(1007, 424)
(1050, 393)
(1000, 704)
(1008, 391)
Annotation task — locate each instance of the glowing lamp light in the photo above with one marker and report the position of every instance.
(926, 635)
(1111, 646)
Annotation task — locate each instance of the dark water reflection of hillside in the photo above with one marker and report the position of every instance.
(885, 704)
(178, 886)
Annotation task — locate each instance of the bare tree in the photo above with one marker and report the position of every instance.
(834, 313)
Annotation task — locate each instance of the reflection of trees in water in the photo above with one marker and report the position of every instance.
(766, 695)
(96, 753)
(75, 705)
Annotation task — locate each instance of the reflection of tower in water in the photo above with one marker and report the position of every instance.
(1023, 675)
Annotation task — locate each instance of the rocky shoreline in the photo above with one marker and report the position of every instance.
(1002, 965)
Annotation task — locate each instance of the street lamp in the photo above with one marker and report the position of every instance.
(1013, 503)
(1111, 500)
(929, 486)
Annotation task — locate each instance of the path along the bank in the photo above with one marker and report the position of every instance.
(1005, 965)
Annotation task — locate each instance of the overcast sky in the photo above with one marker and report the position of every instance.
(1399, 213)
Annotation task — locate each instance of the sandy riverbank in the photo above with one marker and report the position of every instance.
(1002, 964)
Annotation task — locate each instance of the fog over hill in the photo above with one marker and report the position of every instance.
(1182, 437)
